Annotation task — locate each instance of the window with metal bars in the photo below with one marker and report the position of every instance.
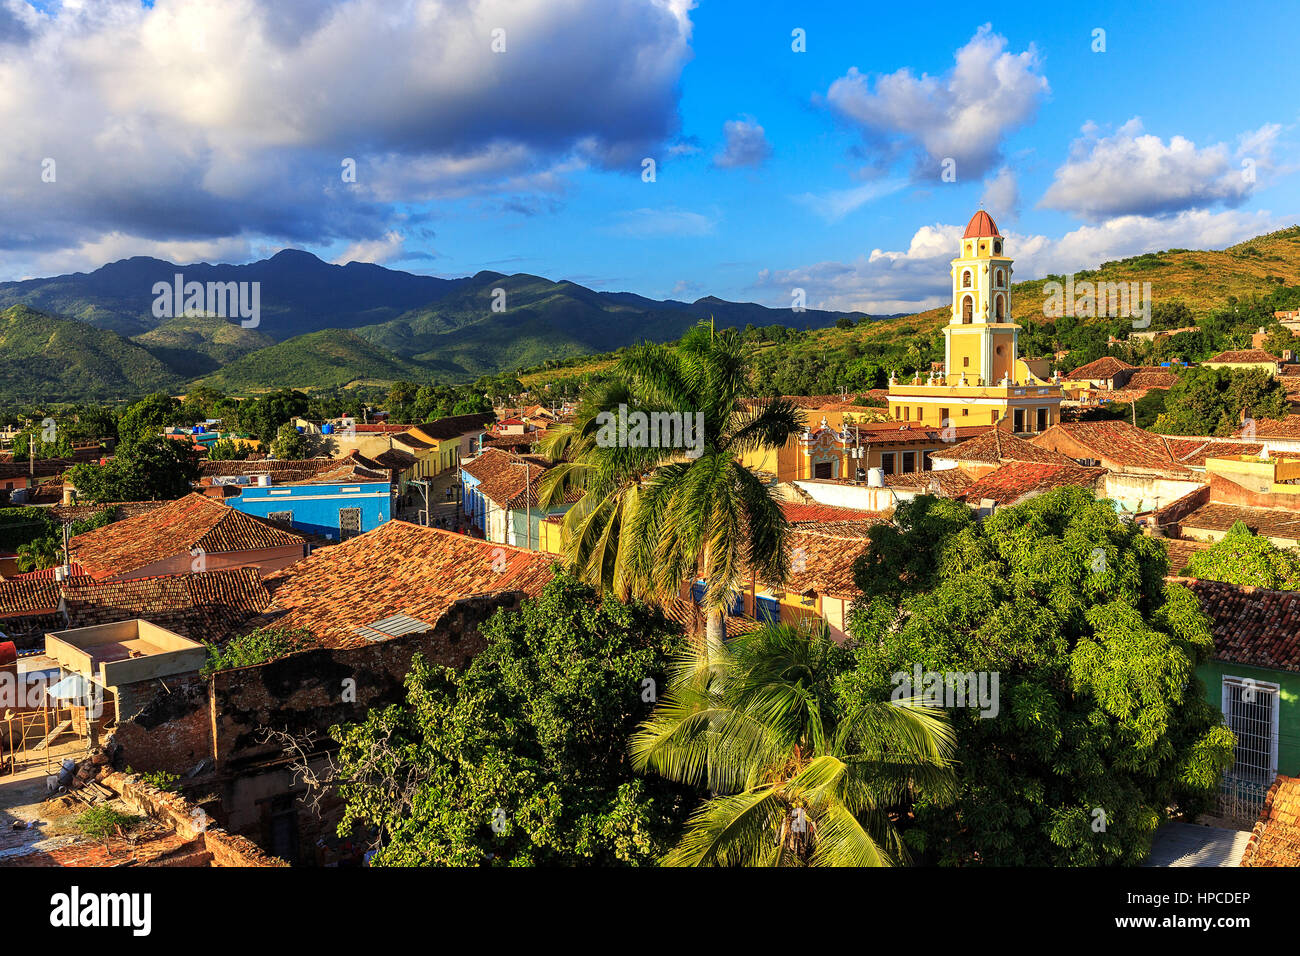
(1250, 708)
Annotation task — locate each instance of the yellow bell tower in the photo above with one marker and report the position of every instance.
(980, 340)
(983, 381)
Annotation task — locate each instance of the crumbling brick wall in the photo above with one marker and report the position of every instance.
(173, 810)
(312, 691)
(225, 718)
(173, 732)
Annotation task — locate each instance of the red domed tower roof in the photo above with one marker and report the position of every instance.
(981, 224)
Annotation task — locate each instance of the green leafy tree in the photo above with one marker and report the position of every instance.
(1279, 340)
(521, 759)
(148, 469)
(257, 647)
(650, 517)
(40, 554)
(797, 777)
(148, 417)
(1212, 400)
(1244, 558)
(291, 444)
(1101, 722)
(91, 423)
(49, 439)
(227, 449)
(262, 417)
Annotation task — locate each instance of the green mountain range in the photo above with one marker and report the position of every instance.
(44, 358)
(316, 360)
(323, 325)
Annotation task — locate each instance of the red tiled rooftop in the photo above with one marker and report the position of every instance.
(995, 447)
(1105, 367)
(1119, 443)
(1269, 522)
(1258, 627)
(1243, 356)
(399, 568)
(981, 224)
(1275, 839)
(195, 521)
(1015, 481)
(815, 513)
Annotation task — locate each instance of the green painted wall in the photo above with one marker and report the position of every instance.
(1288, 745)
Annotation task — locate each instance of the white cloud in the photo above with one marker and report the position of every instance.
(746, 144)
(1133, 172)
(388, 249)
(836, 204)
(963, 115)
(1002, 195)
(196, 121)
(918, 278)
(661, 222)
(112, 246)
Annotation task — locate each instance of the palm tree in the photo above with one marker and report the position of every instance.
(796, 782)
(652, 518)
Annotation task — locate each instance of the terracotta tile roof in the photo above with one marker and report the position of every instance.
(454, 426)
(1120, 443)
(121, 509)
(210, 606)
(206, 607)
(399, 568)
(688, 616)
(513, 442)
(22, 596)
(1194, 451)
(1275, 839)
(981, 224)
(1106, 367)
(1153, 379)
(377, 428)
(1016, 481)
(1241, 356)
(951, 481)
(345, 473)
(396, 459)
(995, 447)
(821, 560)
(264, 466)
(195, 521)
(1269, 522)
(1288, 427)
(1180, 552)
(1254, 626)
(814, 513)
(50, 573)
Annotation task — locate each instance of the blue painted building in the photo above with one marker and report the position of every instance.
(473, 504)
(337, 511)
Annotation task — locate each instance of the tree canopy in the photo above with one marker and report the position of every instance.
(521, 759)
(1101, 724)
(1244, 558)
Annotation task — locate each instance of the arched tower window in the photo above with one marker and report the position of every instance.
(997, 307)
(965, 279)
(967, 308)
(1000, 280)
(997, 247)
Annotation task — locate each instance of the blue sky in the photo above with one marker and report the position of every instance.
(193, 133)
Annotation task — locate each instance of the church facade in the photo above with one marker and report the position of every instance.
(984, 381)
